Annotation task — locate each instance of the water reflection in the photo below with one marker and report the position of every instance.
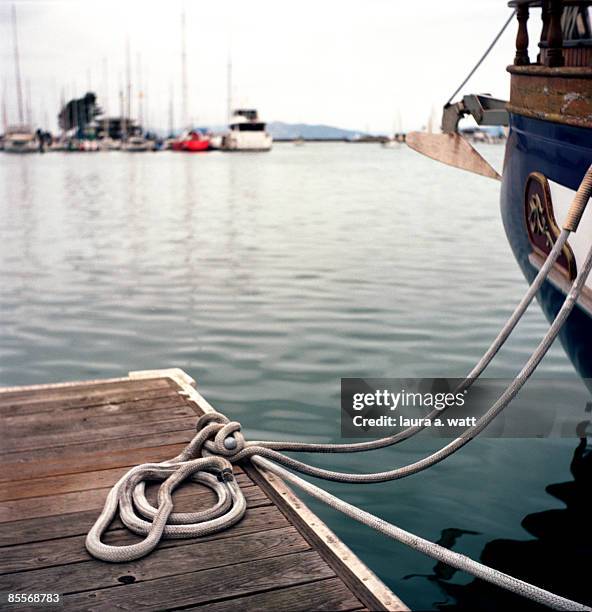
(556, 558)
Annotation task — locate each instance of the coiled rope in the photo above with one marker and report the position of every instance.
(128, 495)
(219, 443)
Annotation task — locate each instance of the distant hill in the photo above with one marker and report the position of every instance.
(289, 131)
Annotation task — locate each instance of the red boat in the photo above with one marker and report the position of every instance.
(192, 141)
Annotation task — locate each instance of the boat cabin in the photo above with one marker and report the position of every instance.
(246, 120)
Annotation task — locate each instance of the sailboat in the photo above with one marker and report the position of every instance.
(191, 140)
(137, 144)
(133, 140)
(19, 138)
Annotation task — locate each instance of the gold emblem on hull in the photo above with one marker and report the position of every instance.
(541, 225)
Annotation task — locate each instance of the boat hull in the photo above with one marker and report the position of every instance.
(195, 146)
(247, 141)
(21, 147)
(561, 154)
(192, 145)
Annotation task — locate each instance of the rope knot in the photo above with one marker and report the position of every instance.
(224, 437)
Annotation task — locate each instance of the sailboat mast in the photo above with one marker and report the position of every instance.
(62, 122)
(106, 99)
(29, 112)
(145, 108)
(140, 91)
(229, 89)
(123, 130)
(129, 81)
(171, 113)
(19, 89)
(184, 111)
(4, 113)
(105, 86)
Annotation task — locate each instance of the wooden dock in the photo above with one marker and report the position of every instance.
(63, 446)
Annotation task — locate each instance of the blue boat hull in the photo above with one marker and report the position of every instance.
(562, 153)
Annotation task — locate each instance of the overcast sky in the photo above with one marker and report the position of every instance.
(357, 64)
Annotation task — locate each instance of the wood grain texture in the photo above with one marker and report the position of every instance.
(99, 447)
(67, 550)
(560, 95)
(75, 436)
(93, 499)
(328, 594)
(113, 398)
(25, 466)
(205, 586)
(195, 555)
(67, 483)
(100, 416)
(88, 395)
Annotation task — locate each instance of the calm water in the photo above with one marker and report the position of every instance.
(268, 277)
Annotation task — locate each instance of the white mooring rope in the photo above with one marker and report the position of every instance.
(219, 443)
(431, 549)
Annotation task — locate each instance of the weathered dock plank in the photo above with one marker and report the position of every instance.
(66, 483)
(64, 446)
(329, 594)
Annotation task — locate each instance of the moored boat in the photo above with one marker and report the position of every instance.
(137, 144)
(247, 133)
(192, 141)
(109, 144)
(548, 151)
(20, 139)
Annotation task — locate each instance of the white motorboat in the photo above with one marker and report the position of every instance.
(20, 139)
(137, 144)
(109, 144)
(247, 133)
